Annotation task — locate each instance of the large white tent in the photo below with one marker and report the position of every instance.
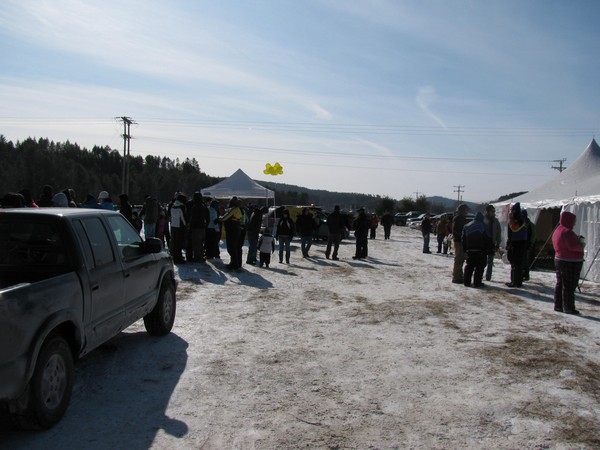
(239, 184)
(576, 189)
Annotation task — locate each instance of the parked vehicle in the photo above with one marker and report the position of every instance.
(415, 222)
(320, 217)
(400, 219)
(71, 279)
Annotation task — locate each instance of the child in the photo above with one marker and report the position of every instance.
(266, 246)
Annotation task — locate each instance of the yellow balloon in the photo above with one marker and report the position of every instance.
(273, 170)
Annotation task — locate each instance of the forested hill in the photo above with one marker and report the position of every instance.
(34, 163)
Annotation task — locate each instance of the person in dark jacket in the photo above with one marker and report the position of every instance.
(426, 231)
(284, 234)
(440, 233)
(197, 228)
(458, 223)
(516, 245)
(305, 225)
(335, 225)
(45, 199)
(253, 231)
(149, 213)
(494, 232)
(90, 202)
(530, 251)
(568, 261)
(125, 207)
(361, 231)
(232, 220)
(387, 221)
(476, 244)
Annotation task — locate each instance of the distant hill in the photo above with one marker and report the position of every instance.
(451, 204)
(292, 194)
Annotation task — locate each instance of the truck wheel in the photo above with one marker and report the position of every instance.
(159, 321)
(50, 388)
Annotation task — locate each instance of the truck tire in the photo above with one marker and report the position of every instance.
(159, 321)
(49, 391)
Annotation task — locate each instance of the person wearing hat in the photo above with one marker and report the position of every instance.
(494, 232)
(59, 200)
(105, 201)
(335, 225)
(517, 241)
(361, 231)
(458, 223)
(178, 228)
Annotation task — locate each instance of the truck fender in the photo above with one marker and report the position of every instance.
(70, 328)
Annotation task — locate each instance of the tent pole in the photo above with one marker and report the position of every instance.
(544, 246)
(588, 269)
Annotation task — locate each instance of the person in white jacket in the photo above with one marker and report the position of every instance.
(178, 228)
(266, 246)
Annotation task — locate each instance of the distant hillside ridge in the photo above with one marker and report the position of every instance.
(288, 194)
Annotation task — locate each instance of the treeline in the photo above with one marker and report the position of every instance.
(32, 163)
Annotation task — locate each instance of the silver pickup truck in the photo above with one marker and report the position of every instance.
(70, 279)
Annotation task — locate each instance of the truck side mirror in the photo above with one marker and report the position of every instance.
(153, 245)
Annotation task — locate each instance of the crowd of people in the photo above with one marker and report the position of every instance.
(192, 228)
(478, 241)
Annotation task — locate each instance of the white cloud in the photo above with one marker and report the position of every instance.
(426, 96)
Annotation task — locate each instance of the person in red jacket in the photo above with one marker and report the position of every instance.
(568, 260)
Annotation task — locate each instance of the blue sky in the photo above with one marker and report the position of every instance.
(381, 97)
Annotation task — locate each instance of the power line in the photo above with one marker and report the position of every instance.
(345, 128)
(335, 154)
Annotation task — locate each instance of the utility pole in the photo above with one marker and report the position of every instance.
(127, 121)
(416, 195)
(560, 162)
(459, 190)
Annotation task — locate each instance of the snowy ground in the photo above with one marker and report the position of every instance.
(380, 353)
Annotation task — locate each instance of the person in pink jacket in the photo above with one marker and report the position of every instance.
(568, 260)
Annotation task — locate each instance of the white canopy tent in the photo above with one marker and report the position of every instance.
(241, 185)
(576, 189)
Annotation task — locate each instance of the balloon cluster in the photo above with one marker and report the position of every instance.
(273, 170)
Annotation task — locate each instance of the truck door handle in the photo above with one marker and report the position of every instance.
(95, 287)
(126, 274)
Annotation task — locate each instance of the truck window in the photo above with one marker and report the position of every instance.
(99, 241)
(26, 243)
(128, 240)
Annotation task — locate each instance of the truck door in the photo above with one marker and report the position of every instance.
(105, 282)
(140, 269)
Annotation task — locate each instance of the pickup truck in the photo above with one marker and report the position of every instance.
(70, 280)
